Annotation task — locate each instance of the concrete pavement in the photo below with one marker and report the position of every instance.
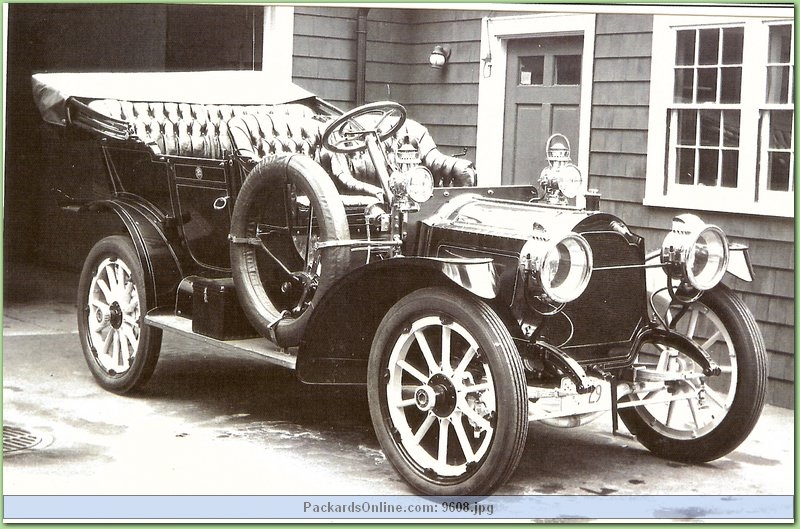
(215, 423)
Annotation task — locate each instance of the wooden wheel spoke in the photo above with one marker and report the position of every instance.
(444, 429)
(105, 289)
(413, 371)
(468, 356)
(446, 335)
(463, 440)
(426, 351)
(424, 428)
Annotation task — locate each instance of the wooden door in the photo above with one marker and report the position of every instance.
(543, 91)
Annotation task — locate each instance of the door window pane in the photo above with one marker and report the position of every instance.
(531, 70)
(568, 69)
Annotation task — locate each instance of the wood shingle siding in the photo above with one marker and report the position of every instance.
(399, 44)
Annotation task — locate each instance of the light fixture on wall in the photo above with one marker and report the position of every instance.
(439, 56)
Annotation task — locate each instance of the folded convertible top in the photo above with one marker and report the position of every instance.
(52, 90)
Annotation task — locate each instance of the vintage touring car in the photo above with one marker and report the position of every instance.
(346, 246)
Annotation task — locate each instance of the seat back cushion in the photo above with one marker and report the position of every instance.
(282, 129)
(184, 129)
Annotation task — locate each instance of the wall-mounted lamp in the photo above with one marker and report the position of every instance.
(439, 56)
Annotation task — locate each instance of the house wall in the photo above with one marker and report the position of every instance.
(399, 43)
(617, 166)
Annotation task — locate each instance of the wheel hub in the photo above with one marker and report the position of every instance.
(102, 315)
(438, 395)
(115, 315)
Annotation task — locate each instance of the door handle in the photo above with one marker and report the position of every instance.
(221, 203)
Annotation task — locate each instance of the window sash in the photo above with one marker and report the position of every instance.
(747, 191)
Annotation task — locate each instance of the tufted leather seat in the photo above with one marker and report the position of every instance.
(183, 129)
(253, 132)
(282, 129)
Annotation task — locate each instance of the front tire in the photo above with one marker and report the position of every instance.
(120, 350)
(717, 415)
(447, 393)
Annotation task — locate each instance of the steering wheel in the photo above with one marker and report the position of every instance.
(349, 132)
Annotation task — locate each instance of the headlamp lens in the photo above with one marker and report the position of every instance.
(566, 268)
(419, 184)
(569, 180)
(707, 259)
(695, 252)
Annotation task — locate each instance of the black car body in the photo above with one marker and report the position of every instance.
(255, 216)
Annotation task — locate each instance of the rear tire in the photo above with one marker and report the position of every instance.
(447, 393)
(120, 350)
(696, 431)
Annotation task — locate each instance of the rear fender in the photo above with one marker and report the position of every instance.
(162, 268)
(337, 341)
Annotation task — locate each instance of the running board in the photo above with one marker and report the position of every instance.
(257, 346)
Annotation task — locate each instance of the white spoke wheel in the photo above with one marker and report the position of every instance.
(112, 300)
(716, 413)
(447, 393)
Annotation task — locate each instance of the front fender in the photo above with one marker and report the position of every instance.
(336, 345)
(162, 268)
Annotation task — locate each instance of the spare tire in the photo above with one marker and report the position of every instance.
(286, 204)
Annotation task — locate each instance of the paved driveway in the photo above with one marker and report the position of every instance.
(215, 423)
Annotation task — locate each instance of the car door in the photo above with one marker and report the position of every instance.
(202, 191)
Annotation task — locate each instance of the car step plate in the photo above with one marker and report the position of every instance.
(257, 346)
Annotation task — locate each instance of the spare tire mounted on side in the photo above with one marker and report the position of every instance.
(286, 205)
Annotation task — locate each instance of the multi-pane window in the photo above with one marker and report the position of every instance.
(777, 117)
(708, 72)
(722, 115)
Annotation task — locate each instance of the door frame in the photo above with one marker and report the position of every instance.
(495, 34)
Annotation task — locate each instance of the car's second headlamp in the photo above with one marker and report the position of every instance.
(416, 183)
(562, 265)
(695, 252)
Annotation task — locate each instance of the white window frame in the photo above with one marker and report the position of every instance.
(660, 187)
(495, 34)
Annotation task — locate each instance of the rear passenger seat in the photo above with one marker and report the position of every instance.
(254, 132)
(206, 131)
